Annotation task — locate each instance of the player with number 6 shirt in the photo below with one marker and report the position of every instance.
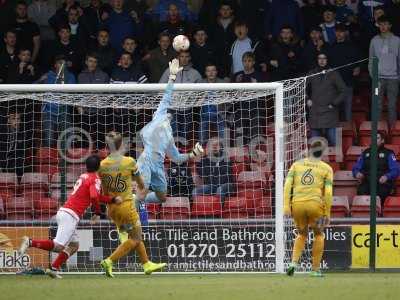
(308, 199)
(86, 192)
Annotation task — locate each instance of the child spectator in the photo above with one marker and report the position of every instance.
(104, 52)
(201, 51)
(8, 54)
(22, 71)
(249, 74)
(244, 44)
(28, 33)
(285, 55)
(126, 72)
(157, 59)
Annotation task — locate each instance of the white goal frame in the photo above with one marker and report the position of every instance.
(278, 87)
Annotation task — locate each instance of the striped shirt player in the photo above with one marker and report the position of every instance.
(308, 199)
(86, 193)
(159, 142)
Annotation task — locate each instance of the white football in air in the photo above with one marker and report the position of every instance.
(181, 43)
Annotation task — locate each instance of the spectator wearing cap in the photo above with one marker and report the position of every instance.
(386, 47)
(314, 46)
(343, 53)
(327, 92)
(312, 14)
(388, 170)
(328, 25)
(282, 13)
(127, 72)
(243, 44)
(157, 60)
(222, 36)
(121, 24)
(285, 55)
(174, 24)
(105, 54)
(201, 50)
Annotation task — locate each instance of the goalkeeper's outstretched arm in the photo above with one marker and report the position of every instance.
(167, 97)
(179, 158)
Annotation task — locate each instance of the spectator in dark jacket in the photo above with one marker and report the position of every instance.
(222, 36)
(254, 13)
(22, 71)
(8, 55)
(61, 16)
(157, 59)
(366, 10)
(180, 180)
(93, 119)
(130, 45)
(216, 172)
(249, 73)
(121, 24)
(69, 48)
(92, 18)
(314, 46)
(344, 14)
(15, 143)
(388, 170)
(79, 30)
(327, 92)
(104, 52)
(394, 13)
(371, 29)
(201, 51)
(285, 55)
(126, 72)
(282, 13)
(174, 24)
(312, 14)
(342, 53)
(28, 33)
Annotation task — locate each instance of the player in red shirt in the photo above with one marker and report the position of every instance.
(86, 193)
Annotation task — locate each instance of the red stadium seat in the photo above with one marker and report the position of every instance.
(2, 208)
(359, 117)
(344, 184)
(360, 103)
(56, 194)
(391, 208)
(45, 208)
(78, 155)
(70, 179)
(76, 169)
(361, 206)
(263, 207)
(238, 168)
(352, 155)
(238, 154)
(395, 133)
(19, 208)
(50, 170)
(8, 182)
(340, 207)
(153, 210)
(252, 179)
(235, 208)
(394, 148)
(35, 181)
(206, 206)
(47, 156)
(175, 208)
(349, 134)
(365, 131)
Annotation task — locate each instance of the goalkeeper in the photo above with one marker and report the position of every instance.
(308, 199)
(158, 141)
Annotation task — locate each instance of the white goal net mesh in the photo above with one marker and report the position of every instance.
(220, 213)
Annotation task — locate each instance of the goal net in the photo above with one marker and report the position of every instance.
(224, 211)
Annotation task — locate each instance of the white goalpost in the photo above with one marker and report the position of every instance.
(260, 129)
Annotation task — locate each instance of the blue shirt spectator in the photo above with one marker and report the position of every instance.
(283, 13)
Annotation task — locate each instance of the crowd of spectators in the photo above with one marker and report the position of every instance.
(231, 41)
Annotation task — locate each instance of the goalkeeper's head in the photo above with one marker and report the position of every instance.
(114, 141)
(317, 148)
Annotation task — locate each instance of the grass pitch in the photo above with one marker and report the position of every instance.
(202, 287)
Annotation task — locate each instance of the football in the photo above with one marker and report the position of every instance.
(181, 43)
